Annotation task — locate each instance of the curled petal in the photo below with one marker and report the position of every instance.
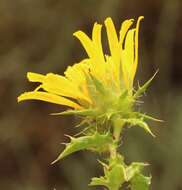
(124, 29)
(128, 58)
(47, 97)
(86, 42)
(136, 45)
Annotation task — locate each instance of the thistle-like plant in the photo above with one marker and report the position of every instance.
(100, 90)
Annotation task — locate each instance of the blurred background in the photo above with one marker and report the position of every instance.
(36, 35)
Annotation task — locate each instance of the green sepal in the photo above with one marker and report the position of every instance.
(133, 169)
(98, 85)
(143, 88)
(118, 124)
(123, 94)
(139, 123)
(85, 112)
(95, 142)
(148, 117)
(95, 87)
(125, 103)
(140, 182)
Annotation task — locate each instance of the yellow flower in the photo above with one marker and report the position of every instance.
(99, 80)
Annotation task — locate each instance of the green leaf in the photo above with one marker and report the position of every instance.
(139, 123)
(134, 169)
(140, 182)
(96, 141)
(142, 89)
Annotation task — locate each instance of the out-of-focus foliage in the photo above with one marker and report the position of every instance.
(37, 36)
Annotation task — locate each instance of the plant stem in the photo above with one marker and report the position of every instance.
(117, 129)
(118, 126)
(113, 151)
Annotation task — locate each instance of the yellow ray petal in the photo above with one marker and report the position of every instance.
(128, 56)
(136, 46)
(123, 32)
(35, 77)
(98, 64)
(93, 48)
(113, 40)
(96, 37)
(86, 42)
(114, 49)
(76, 74)
(60, 85)
(56, 84)
(129, 46)
(52, 98)
(124, 29)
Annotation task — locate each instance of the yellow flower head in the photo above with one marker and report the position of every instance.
(98, 82)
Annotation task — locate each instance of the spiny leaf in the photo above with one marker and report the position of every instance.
(139, 123)
(99, 181)
(86, 142)
(115, 174)
(113, 179)
(142, 89)
(134, 169)
(140, 182)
